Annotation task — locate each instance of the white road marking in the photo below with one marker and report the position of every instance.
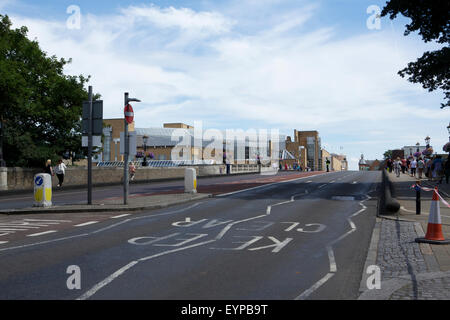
(85, 224)
(41, 233)
(121, 216)
(318, 284)
(321, 186)
(333, 266)
(354, 182)
(122, 270)
(3, 242)
(266, 185)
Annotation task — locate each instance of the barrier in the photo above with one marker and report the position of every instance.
(434, 229)
(190, 180)
(42, 190)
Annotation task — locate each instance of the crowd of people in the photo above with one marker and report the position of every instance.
(434, 168)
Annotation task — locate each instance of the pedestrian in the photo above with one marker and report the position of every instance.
(420, 167)
(285, 166)
(397, 166)
(389, 165)
(60, 171)
(48, 167)
(447, 169)
(132, 170)
(428, 169)
(438, 169)
(413, 165)
(403, 165)
(408, 165)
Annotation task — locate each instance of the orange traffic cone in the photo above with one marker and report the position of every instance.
(434, 229)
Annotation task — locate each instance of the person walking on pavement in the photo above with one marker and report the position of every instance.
(397, 166)
(403, 164)
(60, 171)
(413, 165)
(420, 166)
(389, 165)
(132, 170)
(48, 167)
(447, 169)
(438, 169)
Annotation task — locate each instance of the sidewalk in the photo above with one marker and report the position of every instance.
(135, 203)
(409, 270)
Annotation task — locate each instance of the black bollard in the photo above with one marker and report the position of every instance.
(417, 197)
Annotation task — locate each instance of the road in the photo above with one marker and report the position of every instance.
(300, 239)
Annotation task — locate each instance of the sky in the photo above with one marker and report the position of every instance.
(329, 66)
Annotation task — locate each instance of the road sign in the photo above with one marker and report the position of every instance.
(129, 114)
(97, 118)
(38, 180)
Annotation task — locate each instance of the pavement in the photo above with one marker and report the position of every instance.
(134, 203)
(409, 270)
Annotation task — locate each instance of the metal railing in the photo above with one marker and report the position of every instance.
(157, 163)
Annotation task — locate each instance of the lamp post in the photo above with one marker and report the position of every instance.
(427, 141)
(145, 139)
(126, 150)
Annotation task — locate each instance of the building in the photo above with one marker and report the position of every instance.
(410, 150)
(175, 141)
(369, 165)
(339, 162)
(111, 143)
(310, 140)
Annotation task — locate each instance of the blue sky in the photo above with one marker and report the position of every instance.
(285, 64)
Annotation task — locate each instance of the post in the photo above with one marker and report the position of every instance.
(125, 156)
(90, 148)
(417, 197)
(2, 125)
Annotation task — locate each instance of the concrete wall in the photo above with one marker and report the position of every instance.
(23, 178)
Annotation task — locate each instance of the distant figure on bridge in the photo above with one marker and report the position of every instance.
(397, 166)
(328, 165)
(132, 170)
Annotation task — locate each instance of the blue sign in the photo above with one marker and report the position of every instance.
(38, 181)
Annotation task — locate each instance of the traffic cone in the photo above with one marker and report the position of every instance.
(434, 229)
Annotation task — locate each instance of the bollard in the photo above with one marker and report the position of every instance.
(190, 181)
(42, 190)
(417, 197)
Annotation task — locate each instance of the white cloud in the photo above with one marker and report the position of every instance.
(188, 65)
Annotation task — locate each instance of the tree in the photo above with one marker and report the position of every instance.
(387, 154)
(40, 107)
(431, 18)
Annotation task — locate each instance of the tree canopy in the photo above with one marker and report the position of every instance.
(40, 107)
(432, 20)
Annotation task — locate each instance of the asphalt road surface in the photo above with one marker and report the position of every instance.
(301, 239)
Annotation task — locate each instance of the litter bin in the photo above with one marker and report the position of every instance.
(42, 190)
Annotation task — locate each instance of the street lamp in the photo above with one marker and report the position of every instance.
(427, 141)
(145, 139)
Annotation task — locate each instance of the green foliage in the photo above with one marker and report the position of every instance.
(40, 106)
(387, 154)
(431, 19)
